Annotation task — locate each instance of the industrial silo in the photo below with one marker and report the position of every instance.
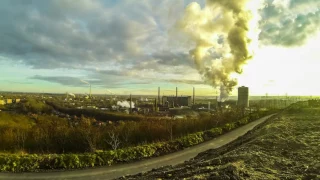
(243, 96)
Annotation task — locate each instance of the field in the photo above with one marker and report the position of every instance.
(284, 147)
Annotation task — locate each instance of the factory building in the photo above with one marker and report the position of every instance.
(174, 101)
(243, 96)
(2, 102)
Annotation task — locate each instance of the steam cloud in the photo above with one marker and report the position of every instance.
(125, 104)
(223, 28)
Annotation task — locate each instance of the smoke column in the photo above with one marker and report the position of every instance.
(222, 33)
(125, 104)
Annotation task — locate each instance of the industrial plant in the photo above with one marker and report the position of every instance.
(177, 101)
(171, 104)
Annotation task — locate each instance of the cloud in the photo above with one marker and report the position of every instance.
(124, 39)
(65, 80)
(18, 82)
(130, 42)
(291, 23)
(186, 81)
(109, 81)
(69, 34)
(173, 58)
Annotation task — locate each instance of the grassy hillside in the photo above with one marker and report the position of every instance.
(285, 147)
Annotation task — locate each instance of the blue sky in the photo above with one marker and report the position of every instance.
(127, 46)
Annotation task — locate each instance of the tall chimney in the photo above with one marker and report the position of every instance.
(176, 92)
(193, 96)
(90, 91)
(176, 96)
(155, 105)
(217, 105)
(130, 110)
(159, 95)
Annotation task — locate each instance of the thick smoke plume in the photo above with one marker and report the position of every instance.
(221, 33)
(125, 104)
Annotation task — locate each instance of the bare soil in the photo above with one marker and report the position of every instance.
(284, 147)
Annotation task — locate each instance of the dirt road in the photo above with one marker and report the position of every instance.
(140, 166)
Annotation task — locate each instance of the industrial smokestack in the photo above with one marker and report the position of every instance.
(176, 92)
(159, 95)
(90, 91)
(176, 96)
(130, 110)
(193, 96)
(217, 102)
(155, 105)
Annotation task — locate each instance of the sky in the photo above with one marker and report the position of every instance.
(134, 47)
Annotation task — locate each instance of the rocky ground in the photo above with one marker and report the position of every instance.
(285, 147)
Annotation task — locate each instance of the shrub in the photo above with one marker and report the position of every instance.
(106, 157)
(243, 121)
(254, 116)
(229, 126)
(214, 132)
(191, 139)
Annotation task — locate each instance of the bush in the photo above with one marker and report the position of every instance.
(229, 126)
(209, 134)
(105, 157)
(243, 121)
(191, 139)
(254, 116)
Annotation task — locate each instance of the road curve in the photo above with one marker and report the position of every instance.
(115, 171)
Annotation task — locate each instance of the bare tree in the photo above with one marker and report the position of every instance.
(169, 127)
(21, 136)
(113, 140)
(125, 136)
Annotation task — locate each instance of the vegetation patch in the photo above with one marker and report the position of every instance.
(36, 162)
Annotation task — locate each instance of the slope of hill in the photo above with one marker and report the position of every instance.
(285, 147)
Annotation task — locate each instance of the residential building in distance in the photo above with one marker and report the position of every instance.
(9, 101)
(2, 102)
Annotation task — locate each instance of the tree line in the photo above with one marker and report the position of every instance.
(43, 133)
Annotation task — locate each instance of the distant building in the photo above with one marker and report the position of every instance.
(2, 102)
(9, 101)
(15, 100)
(174, 101)
(243, 96)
